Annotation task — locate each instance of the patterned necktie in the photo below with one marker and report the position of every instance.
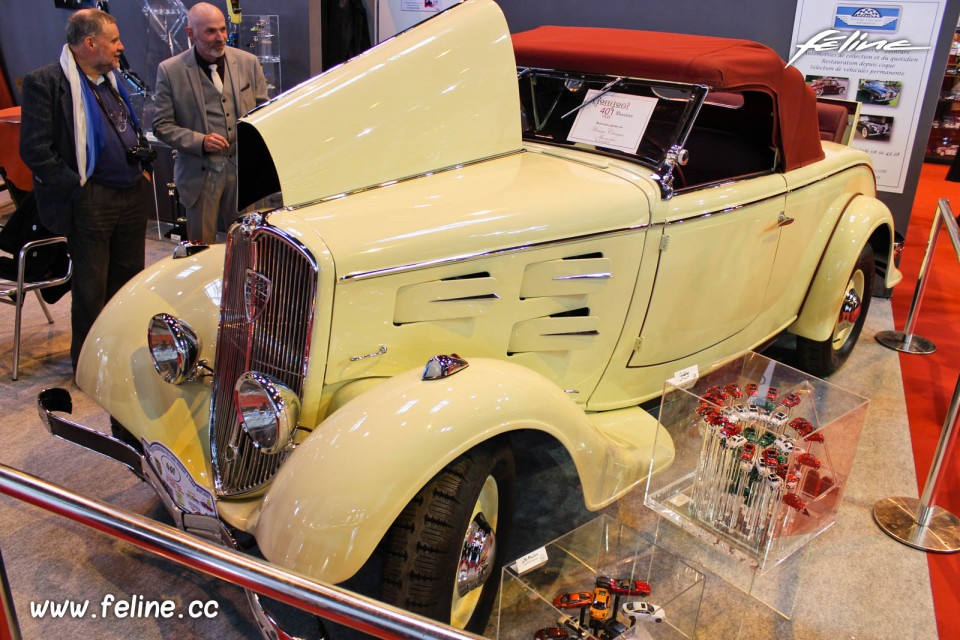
(215, 76)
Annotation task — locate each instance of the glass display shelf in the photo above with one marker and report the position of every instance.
(572, 564)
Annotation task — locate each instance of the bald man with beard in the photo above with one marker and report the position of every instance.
(201, 93)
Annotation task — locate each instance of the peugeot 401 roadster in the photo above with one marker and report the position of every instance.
(481, 235)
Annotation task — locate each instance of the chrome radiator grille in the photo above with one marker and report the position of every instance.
(276, 342)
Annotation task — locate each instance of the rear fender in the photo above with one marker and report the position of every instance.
(864, 220)
(340, 491)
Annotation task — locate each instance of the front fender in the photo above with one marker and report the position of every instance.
(335, 498)
(116, 370)
(864, 220)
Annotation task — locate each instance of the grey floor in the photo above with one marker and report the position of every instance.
(851, 582)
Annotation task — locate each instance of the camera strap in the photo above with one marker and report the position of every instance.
(122, 112)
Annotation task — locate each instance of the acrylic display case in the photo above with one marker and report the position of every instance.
(572, 563)
(762, 456)
(260, 35)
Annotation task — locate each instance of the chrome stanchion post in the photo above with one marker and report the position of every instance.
(9, 626)
(920, 523)
(905, 340)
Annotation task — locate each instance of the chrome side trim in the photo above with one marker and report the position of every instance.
(586, 276)
(479, 255)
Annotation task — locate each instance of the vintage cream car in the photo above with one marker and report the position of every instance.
(578, 213)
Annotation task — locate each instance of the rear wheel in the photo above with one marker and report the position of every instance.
(821, 358)
(442, 558)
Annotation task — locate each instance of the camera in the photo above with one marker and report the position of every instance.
(142, 153)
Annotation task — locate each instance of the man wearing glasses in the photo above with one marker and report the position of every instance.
(81, 139)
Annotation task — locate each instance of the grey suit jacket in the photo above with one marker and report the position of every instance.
(47, 145)
(180, 117)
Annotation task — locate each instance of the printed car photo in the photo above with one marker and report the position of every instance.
(828, 85)
(482, 235)
(878, 92)
(879, 127)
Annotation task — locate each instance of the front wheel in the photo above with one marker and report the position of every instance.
(442, 558)
(821, 358)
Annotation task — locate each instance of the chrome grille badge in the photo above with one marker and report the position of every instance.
(256, 292)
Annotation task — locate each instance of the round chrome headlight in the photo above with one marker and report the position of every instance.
(174, 347)
(268, 410)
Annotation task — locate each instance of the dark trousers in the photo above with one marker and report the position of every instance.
(107, 246)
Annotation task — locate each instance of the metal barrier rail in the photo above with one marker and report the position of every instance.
(330, 602)
(920, 523)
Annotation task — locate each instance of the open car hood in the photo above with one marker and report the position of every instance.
(440, 94)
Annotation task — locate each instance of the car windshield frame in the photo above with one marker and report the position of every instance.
(550, 101)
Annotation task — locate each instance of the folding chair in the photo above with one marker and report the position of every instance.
(13, 291)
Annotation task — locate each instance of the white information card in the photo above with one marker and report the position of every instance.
(614, 120)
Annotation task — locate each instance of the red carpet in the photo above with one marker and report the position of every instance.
(929, 381)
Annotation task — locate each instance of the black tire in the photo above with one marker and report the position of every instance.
(424, 545)
(821, 358)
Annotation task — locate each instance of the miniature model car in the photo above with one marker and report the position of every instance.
(784, 444)
(793, 501)
(878, 92)
(612, 629)
(624, 586)
(734, 390)
(730, 429)
(576, 600)
(791, 400)
(947, 150)
(551, 633)
(828, 86)
(573, 625)
(642, 611)
(748, 452)
(734, 441)
(600, 608)
(870, 128)
(808, 460)
(455, 190)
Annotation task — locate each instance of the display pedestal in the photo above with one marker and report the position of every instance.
(572, 563)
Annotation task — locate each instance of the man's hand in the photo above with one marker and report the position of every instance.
(214, 143)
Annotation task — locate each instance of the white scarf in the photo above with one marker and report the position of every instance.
(80, 124)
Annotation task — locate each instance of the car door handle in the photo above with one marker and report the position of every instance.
(784, 220)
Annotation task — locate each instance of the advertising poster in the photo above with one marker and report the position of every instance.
(879, 54)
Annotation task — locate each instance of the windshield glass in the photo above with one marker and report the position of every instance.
(635, 119)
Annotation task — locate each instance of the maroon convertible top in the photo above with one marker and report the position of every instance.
(719, 63)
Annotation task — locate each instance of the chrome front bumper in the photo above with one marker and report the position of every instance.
(51, 402)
